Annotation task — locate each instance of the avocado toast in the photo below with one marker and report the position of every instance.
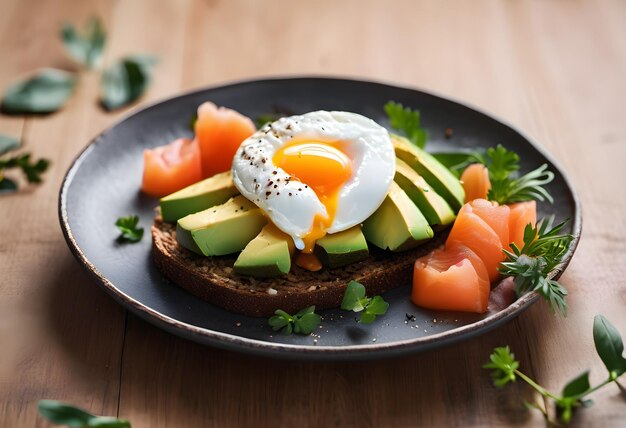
(230, 255)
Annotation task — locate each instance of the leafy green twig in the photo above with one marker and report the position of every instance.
(59, 413)
(355, 300)
(31, 169)
(609, 347)
(543, 250)
(406, 120)
(303, 322)
(128, 227)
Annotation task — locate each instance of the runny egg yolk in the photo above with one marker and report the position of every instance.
(324, 168)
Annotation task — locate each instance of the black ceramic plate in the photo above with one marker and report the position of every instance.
(103, 184)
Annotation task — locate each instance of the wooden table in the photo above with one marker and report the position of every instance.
(556, 69)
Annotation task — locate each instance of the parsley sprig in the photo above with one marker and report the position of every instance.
(355, 300)
(609, 346)
(543, 250)
(59, 413)
(406, 120)
(128, 227)
(507, 186)
(303, 322)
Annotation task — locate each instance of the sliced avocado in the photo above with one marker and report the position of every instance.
(435, 174)
(434, 207)
(397, 224)
(222, 229)
(197, 197)
(266, 256)
(342, 248)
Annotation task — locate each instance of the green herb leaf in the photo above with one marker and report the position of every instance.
(129, 229)
(126, 80)
(85, 48)
(543, 250)
(303, 322)
(577, 386)
(355, 291)
(64, 414)
(32, 170)
(8, 143)
(609, 346)
(406, 120)
(504, 365)
(7, 185)
(192, 122)
(354, 299)
(45, 92)
(264, 119)
(501, 162)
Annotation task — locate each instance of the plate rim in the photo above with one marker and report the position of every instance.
(296, 351)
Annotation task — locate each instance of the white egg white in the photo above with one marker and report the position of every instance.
(292, 205)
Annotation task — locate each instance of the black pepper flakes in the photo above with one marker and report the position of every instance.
(268, 193)
(274, 172)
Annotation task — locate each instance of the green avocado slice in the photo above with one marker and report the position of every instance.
(398, 224)
(266, 256)
(197, 197)
(434, 207)
(220, 230)
(435, 174)
(342, 248)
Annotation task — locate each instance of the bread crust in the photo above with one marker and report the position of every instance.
(213, 279)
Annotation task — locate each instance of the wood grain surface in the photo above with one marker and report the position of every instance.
(556, 69)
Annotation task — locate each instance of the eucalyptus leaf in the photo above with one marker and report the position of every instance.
(86, 48)
(126, 80)
(45, 92)
(64, 414)
(609, 346)
(8, 143)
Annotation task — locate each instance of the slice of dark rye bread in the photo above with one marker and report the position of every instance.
(213, 279)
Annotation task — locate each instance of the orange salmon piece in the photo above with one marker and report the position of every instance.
(219, 132)
(451, 279)
(522, 213)
(471, 230)
(172, 167)
(475, 180)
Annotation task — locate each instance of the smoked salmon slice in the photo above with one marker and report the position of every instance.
(219, 132)
(452, 279)
(522, 213)
(495, 215)
(172, 167)
(475, 180)
(471, 230)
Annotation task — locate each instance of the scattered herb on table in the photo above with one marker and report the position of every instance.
(609, 347)
(355, 300)
(126, 80)
(48, 90)
(406, 120)
(45, 91)
(129, 229)
(303, 322)
(543, 250)
(59, 413)
(85, 48)
(31, 169)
